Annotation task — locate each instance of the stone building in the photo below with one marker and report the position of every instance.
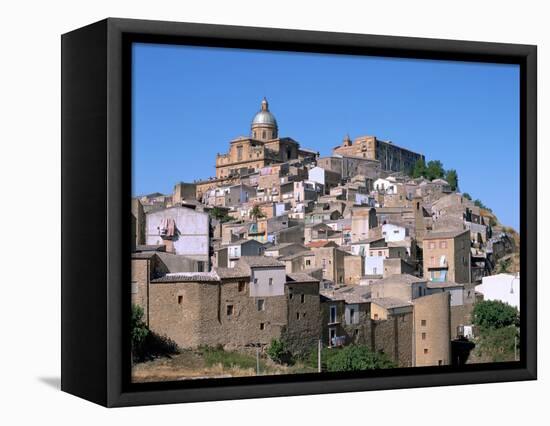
(391, 157)
(236, 308)
(262, 148)
(447, 256)
(432, 327)
(138, 223)
(184, 191)
(348, 167)
(363, 219)
(347, 319)
(329, 258)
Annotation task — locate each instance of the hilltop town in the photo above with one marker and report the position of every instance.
(286, 246)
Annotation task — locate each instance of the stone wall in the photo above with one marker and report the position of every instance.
(432, 323)
(304, 317)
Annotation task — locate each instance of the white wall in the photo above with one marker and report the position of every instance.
(392, 232)
(31, 129)
(503, 287)
(262, 288)
(374, 265)
(193, 231)
(317, 174)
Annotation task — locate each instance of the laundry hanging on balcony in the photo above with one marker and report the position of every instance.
(167, 228)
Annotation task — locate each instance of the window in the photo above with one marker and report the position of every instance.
(297, 315)
(425, 350)
(308, 262)
(423, 323)
(200, 264)
(440, 362)
(379, 253)
(239, 153)
(229, 310)
(241, 286)
(255, 280)
(443, 244)
(180, 300)
(423, 336)
(356, 332)
(332, 314)
(263, 134)
(302, 298)
(262, 326)
(260, 304)
(271, 281)
(375, 316)
(431, 245)
(134, 287)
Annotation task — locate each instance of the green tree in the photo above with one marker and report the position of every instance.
(434, 170)
(495, 314)
(467, 196)
(139, 330)
(419, 169)
(357, 357)
(279, 352)
(220, 214)
(451, 176)
(256, 213)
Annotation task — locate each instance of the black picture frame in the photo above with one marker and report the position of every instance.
(96, 166)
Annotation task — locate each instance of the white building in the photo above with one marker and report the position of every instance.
(503, 287)
(393, 233)
(182, 230)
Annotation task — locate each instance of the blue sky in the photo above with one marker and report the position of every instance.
(189, 102)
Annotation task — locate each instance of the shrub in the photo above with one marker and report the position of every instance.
(279, 352)
(139, 330)
(147, 345)
(356, 357)
(495, 314)
(498, 344)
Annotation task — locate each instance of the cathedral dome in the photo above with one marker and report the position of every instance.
(264, 117)
(264, 126)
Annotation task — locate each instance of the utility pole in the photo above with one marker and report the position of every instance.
(257, 360)
(319, 349)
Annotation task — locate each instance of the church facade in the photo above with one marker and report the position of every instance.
(262, 148)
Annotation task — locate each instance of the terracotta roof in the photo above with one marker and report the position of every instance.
(261, 261)
(296, 255)
(390, 302)
(156, 247)
(444, 284)
(321, 243)
(224, 273)
(144, 255)
(179, 277)
(402, 279)
(353, 294)
(444, 234)
(300, 277)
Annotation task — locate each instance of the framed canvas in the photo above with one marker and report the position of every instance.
(362, 234)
